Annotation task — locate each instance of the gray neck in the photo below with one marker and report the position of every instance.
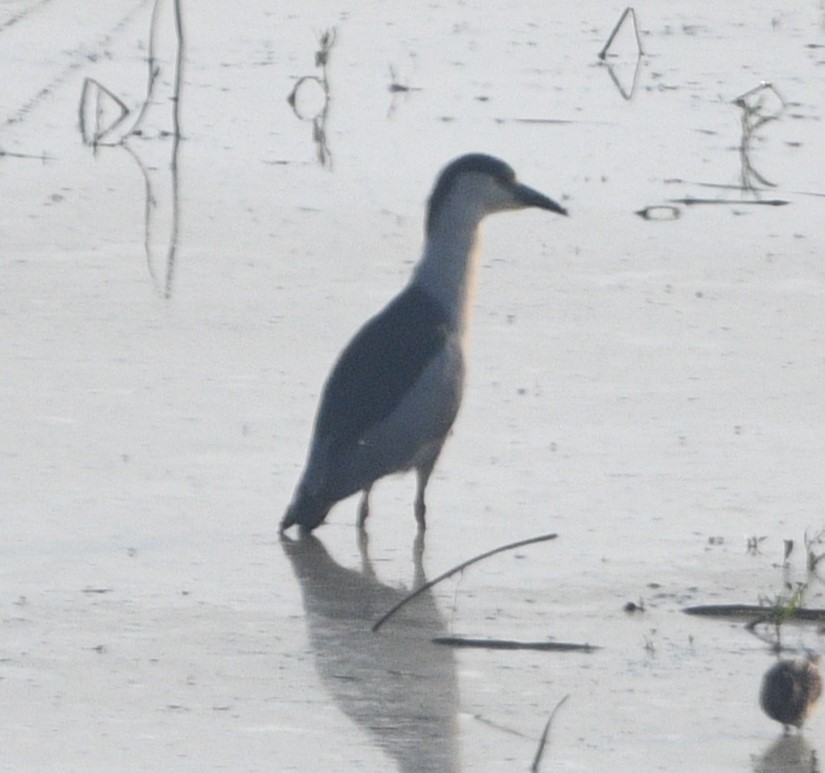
(446, 270)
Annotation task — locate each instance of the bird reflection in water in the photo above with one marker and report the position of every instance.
(398, 686)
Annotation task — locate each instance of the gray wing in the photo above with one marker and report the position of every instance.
(379, 365)
(369, 381)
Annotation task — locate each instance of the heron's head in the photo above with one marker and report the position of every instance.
(476, 185)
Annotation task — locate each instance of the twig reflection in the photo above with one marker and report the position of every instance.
(103, 122)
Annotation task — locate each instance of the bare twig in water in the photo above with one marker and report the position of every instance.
(319, 120)
(90, 111)
(427, 585)
(778, 611)
(754, 117)
(510, 644)
(543, 740)
(627, 12)
(155, 69)
(730, 186)
(540, 121)
(396, 87)
(659, 212)
(500, 728)
(754, 614)
(812, 544)
(325, 44)
(620, 79)
(742, 99)
(91, 107)
(701, 184)
(738, 202)
(42, 157)
(179, 59)
(753, 543)
(783, 608)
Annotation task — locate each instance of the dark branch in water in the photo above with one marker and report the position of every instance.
(755, 614)
(543, 740)
(659, 212)
(509, 644)
(427, 585)
(9, 154)
(730, 186)
(738, 202)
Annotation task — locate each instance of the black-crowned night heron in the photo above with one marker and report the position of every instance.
(395, 391)
(790, 690)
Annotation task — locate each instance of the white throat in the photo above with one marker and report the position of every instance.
(447, 268)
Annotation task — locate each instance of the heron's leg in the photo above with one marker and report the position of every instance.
(420, 506)
(423, 473)
(364, 507)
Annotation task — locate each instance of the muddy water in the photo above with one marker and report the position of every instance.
(650, 389)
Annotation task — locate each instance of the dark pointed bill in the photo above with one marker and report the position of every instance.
(532, 198)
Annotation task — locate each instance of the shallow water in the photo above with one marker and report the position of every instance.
(649, 389)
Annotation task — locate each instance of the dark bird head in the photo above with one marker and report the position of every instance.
(479, 185)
